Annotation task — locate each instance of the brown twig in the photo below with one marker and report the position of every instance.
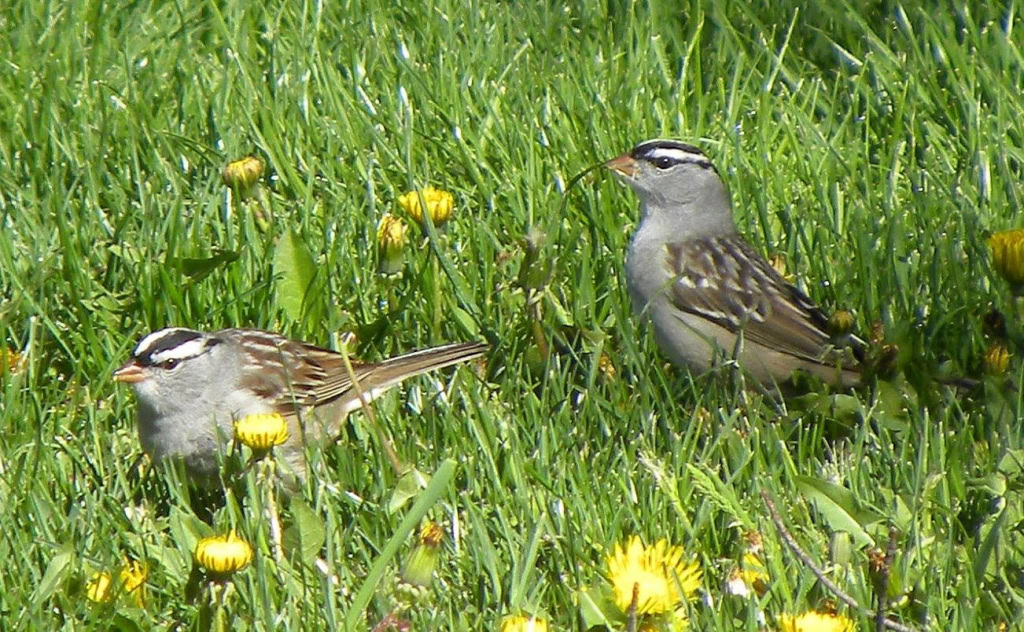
(780, 526)
(883, 580)
(631, 618)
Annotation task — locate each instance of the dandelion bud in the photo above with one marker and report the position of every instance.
(223, 555)
(423, 560)
(440, 205)
(997, 359)
(840, 323)
(1008, 255)
(242, 175)
(391, 241)
(261, 432)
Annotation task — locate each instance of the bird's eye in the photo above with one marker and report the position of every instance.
(169, 364)
(663, 162)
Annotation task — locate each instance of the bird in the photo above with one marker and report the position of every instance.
(707, 292)
(192, 385)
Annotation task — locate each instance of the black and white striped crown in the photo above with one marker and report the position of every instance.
(664, 153)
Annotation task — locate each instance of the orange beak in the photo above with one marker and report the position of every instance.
(130, 373)
(623, 165)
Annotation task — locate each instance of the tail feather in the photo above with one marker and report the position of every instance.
(376, 379)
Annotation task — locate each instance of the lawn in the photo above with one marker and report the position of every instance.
(870, 152)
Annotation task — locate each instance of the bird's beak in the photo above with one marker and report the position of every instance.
(130, 373)
(624, 165)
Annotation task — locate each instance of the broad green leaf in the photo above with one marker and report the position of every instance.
(839, 508)
(293, 271)
(57, 570)
(187, 530)
(465, 321)
(597, 607)
(408, 486)
(198, 269)
(305, 537)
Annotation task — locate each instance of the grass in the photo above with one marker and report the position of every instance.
(873, 149)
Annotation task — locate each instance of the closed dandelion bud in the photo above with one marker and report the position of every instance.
(440, 205)
(1008, 255)
(242, 175)
(997, 359)
(262, 431)
(523, 623)
(423, 560)
(841, 323)
(223, 555)
(391, 241)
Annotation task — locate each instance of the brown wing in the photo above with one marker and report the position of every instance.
(315, 376)
(727, 282)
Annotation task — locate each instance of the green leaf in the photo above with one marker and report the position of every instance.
(408, 486)
(465, 321)
(597, 607)
(306, 535)
(839, 508)
(198, 269)
(57, 570)
(989, 544)
(187, 530)
(294, 271)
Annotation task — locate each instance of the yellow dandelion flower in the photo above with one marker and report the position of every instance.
(440, 204)
(1008, 255)
(101, 587)
(133, 574)
(656, 573)
(97, 589)
(261, 431)
(523, 623)
(606, 366)
(997, 359)
(423, 559)
(223, 554)
(241, 175)
(815, 622)
(133, 577)
(679, 620)
(391, 241)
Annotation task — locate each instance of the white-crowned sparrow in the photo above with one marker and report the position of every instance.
(708, 293)
(193, 385)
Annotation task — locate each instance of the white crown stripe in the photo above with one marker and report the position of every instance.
(150, 341)
(183, 351)
(673, 153)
